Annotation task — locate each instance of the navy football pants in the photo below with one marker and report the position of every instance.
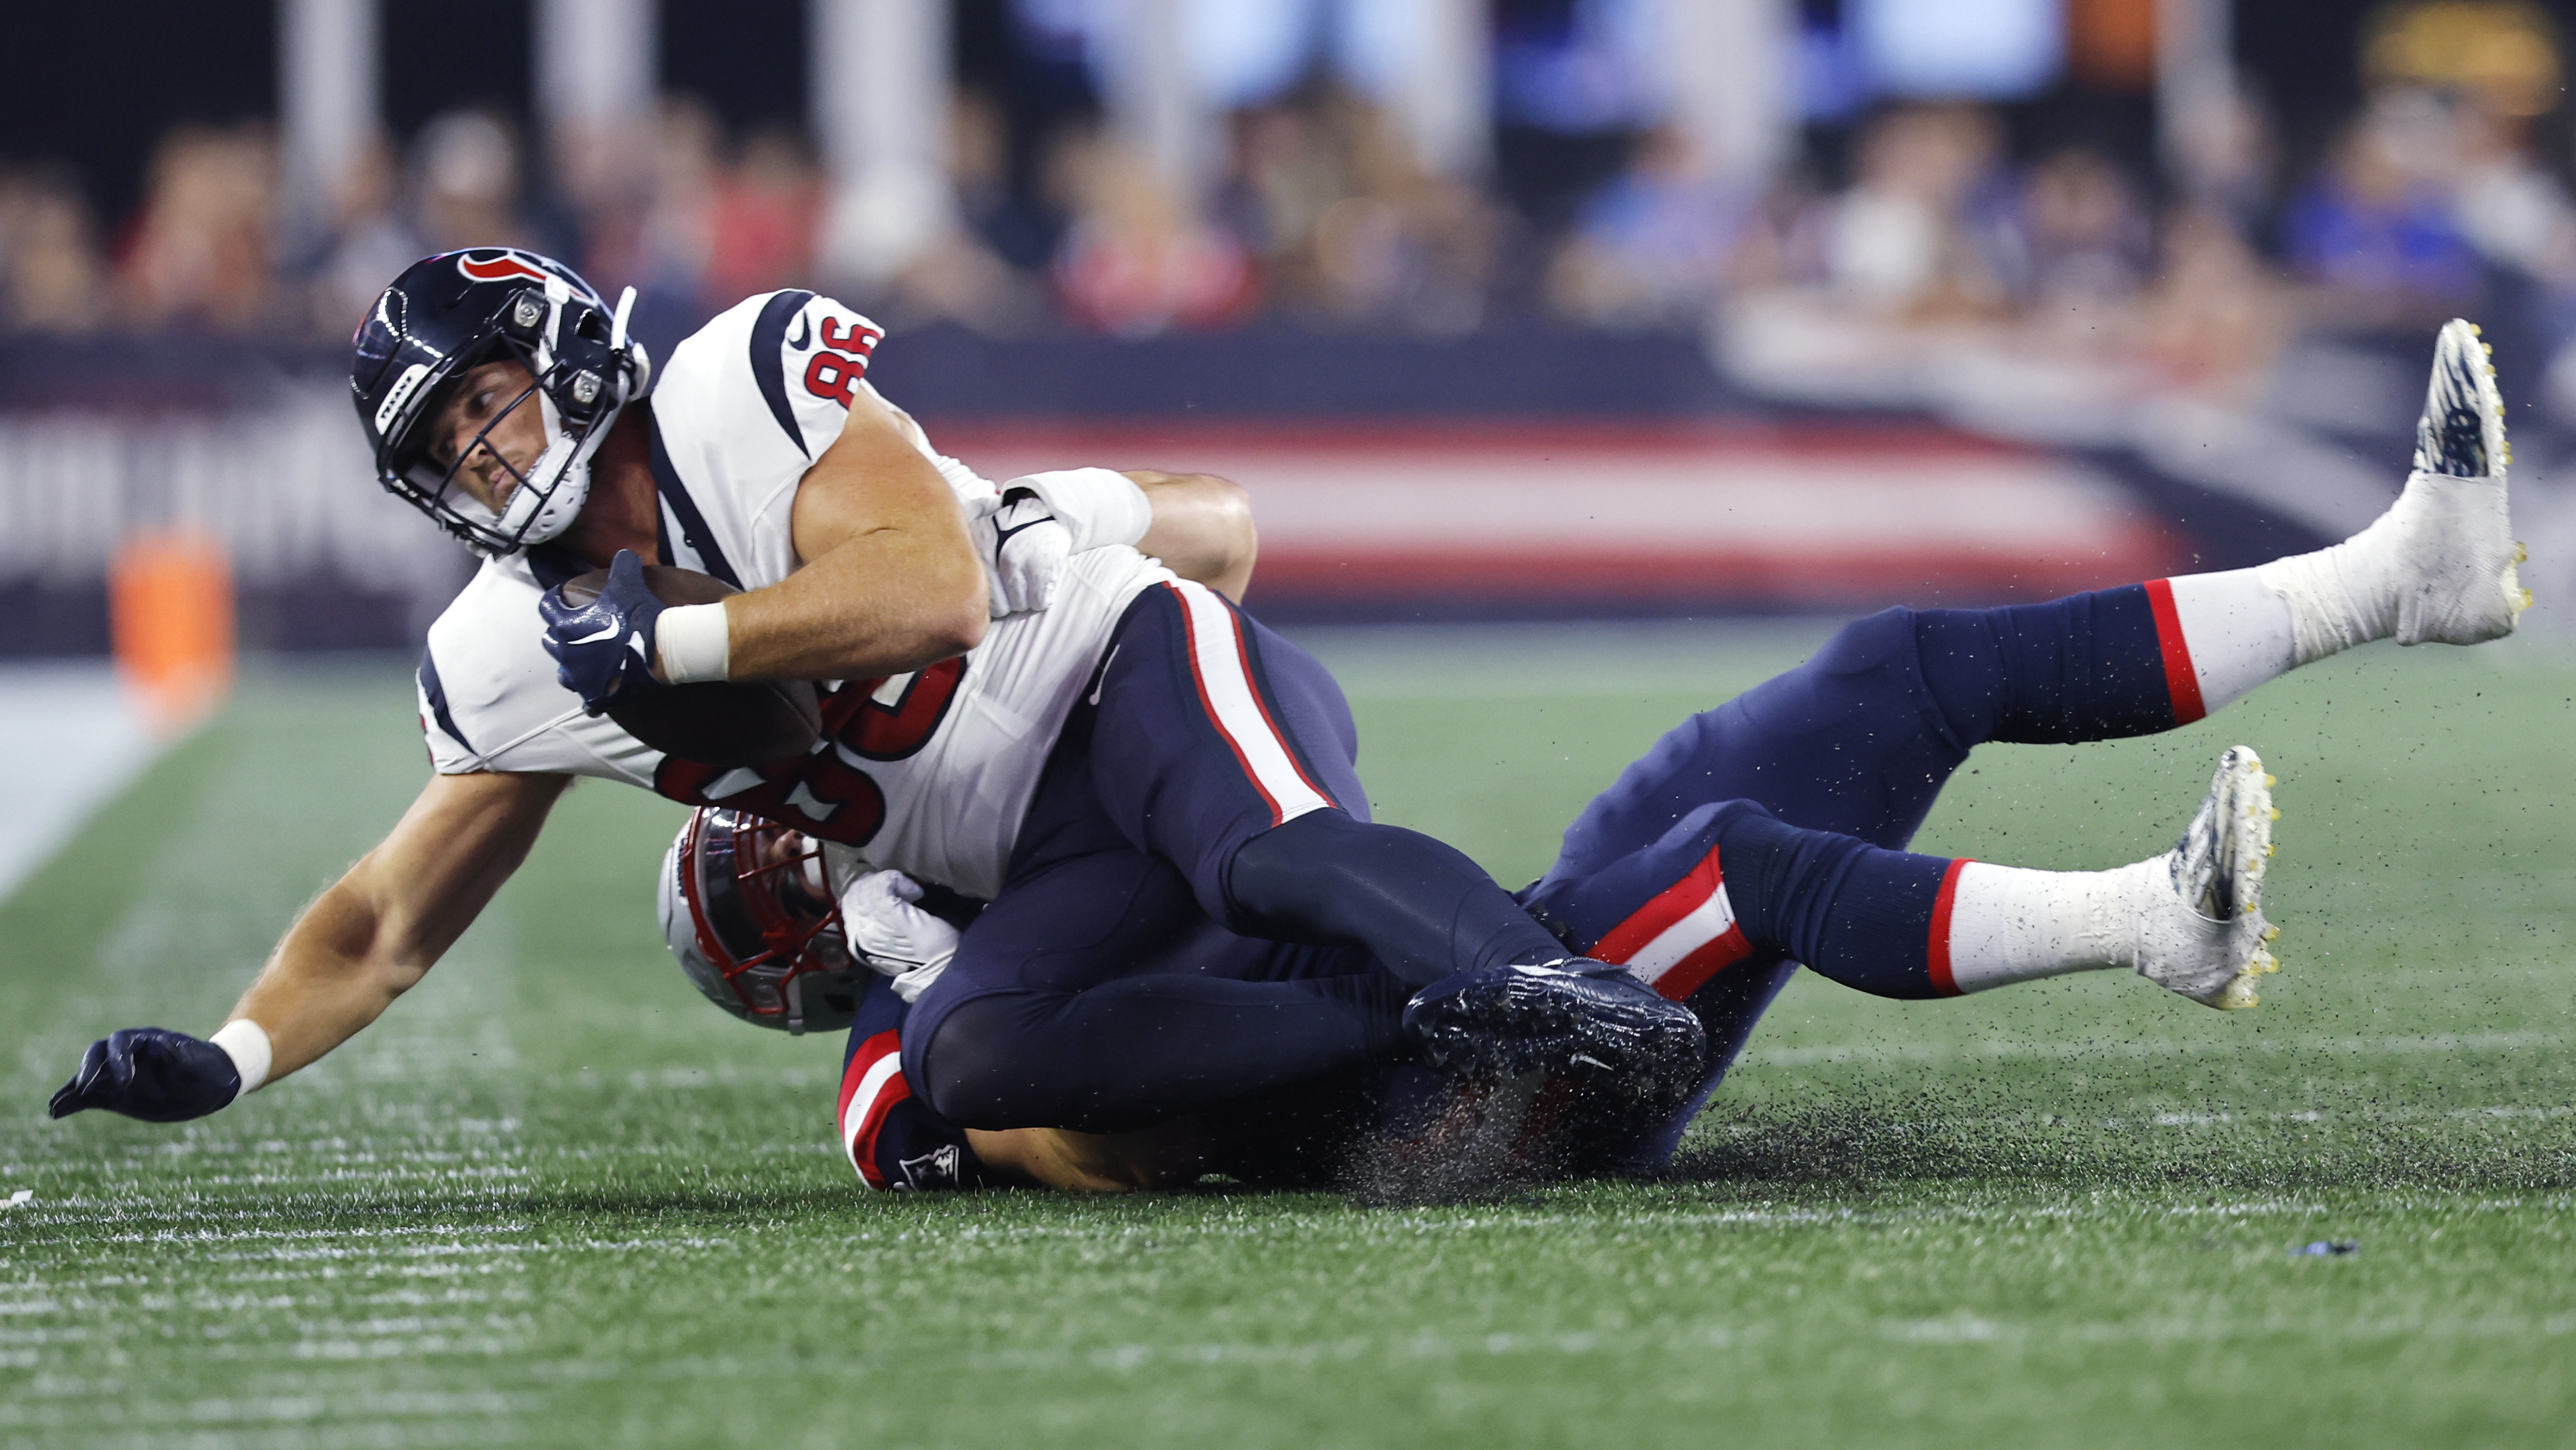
(1092, 995)
(1858, 740)
(1204, 787)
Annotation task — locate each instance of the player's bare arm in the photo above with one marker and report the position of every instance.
(376, 931)
(1202, 528)
(889, 582)
(363, 942)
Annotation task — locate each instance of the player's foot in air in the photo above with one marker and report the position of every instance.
(1589, 1020)
(2200, 921)
(2438, 567)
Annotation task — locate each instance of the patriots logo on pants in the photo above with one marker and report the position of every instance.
(936, 1169)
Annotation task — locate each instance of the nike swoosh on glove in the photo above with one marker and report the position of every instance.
(1024, 548)
(606, 645)
(150, 1073)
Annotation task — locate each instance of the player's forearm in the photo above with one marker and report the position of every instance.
(378, 929)
(879, 604)
(1202, 529)
(337, 971)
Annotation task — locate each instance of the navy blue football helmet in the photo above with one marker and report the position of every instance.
(456, 311)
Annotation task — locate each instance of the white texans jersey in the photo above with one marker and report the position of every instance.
(927, 773)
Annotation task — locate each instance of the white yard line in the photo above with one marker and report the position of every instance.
(70, 739)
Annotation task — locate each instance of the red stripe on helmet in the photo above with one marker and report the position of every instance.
(502, 266)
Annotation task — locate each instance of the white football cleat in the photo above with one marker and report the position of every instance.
(2457, 535)
(2201, 930)
(2438, 567)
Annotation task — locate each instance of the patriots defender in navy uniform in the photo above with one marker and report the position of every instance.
(1762, 834)
(957, 621)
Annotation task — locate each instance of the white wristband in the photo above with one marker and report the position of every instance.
(246, 1043)
(1096, 505)
(695, 643)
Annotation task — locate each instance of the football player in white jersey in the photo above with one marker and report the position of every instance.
(960, 623)
(505, 401)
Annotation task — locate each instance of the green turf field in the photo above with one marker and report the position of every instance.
(554, 1199)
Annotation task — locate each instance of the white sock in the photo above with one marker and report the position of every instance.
(2237, 632)
(2344, 594)
(2011, 925)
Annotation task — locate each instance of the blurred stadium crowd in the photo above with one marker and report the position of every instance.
(2174, 259)
(1905, 230)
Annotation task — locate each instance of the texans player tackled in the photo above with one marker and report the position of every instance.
(953, 625)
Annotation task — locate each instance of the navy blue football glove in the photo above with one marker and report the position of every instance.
(151, 1073)
(606, 645)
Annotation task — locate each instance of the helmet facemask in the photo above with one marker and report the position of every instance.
(582, 371)
(747, 908)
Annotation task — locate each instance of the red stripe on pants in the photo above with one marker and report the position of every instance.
(2181, 681)
(1937, 952)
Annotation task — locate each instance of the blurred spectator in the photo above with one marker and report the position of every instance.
(362, 244)
(2376, 231)
(989, 202)
(675, 236)
(2083, 236)
(2216, 315)
(964, 275)
(602, 187)
(1406, 247)
(1348, 228)
(760, 229)
(1134, 262)
(1287, 173)
(197, 254)
(1653, 246)
(2511, 207)
(1914, 234)
(2225, 159)
(467, 163)
(51, 276)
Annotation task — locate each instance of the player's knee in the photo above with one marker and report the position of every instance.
(1875, 644)
(1283, 874)
(983, 1065)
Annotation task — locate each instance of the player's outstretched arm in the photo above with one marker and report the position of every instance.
(1202, 528)
(890, 580)
(363, 942)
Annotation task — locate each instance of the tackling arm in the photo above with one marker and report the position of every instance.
(1202, 528)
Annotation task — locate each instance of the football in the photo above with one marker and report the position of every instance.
(719, 722)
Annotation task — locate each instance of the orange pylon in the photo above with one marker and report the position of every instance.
(170, 607)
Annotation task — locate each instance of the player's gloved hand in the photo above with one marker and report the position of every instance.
(1024, 548)
(151, 1073)
(606, 645)
(894, 936)
(1098, 506)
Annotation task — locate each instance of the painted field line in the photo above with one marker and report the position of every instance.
(70, 738)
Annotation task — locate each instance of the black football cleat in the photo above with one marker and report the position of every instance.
(1591, 1021)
